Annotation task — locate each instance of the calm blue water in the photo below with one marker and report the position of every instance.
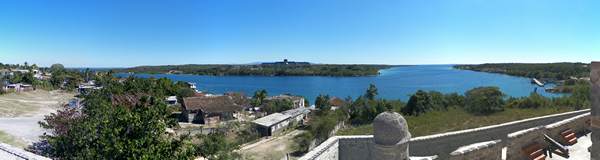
(393, 83)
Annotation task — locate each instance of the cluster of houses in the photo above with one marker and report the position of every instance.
(20, 87)
(211, 110)
(87, 87)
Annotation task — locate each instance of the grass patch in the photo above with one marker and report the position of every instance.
(455, 119)
(11, 140)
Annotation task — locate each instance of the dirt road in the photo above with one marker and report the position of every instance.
(20, 113)
(273, 148)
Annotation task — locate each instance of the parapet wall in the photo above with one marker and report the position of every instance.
(514, 135)
(577, 124)
(327, 150)
(483, 150)
(445, 143)
(520, 139)
(14, 153)
(355, 147)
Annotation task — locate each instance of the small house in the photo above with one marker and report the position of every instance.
(336, 103)
(18, 87)
(210, 109)
(272, 124)
(86, 88)
(171, 100)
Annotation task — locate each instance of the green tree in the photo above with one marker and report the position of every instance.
(259, 97)
(322, 102)
(114, 132)
(371, 92)
(56, 68)
(277, 106)
(484, 100)
(215, 146)
(302, 142)
(419, 103)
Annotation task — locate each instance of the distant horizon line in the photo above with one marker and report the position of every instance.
(424, 64)
(258, 63)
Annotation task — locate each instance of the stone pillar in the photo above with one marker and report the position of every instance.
(595, 117)
(390, 136)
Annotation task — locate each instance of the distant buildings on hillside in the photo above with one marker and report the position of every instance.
(286, 62)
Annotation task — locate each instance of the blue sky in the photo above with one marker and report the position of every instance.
(119, 33)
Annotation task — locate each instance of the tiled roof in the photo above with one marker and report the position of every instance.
(211, 104)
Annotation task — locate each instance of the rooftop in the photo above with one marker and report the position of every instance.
(271, 119)
(296, 112)
(211, 104)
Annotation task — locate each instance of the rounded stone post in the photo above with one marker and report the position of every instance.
(390, 137)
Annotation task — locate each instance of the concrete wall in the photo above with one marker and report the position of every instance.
(490, 150)
(443, 144)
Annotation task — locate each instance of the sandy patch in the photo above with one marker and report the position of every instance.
(274, 148)
(21, 112)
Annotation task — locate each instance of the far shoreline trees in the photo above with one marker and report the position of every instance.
(347, 70)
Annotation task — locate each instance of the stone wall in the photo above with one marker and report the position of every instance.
(443, 144)
(490, 150)
(355, 147)
(577, 124)
(520, 139)
(327, 150)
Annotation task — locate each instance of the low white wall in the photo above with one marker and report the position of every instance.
(327, 150)
(357, 147)
(10, 152)
(490, 150)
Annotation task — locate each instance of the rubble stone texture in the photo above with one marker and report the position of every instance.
(390, 136)
(595, 98)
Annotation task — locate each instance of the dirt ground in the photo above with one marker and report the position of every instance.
(20, 113)
(274, 148)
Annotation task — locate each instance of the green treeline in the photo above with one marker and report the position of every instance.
(263, 70)
(552, 71)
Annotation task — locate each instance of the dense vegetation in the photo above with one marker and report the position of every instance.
(433, 112)
(551, 71)
(125, 120)
(264, 70)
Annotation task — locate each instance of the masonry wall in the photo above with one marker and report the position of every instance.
(355, 147)
(520, 139)
(358, 147)
(577, 124)
(327, 150)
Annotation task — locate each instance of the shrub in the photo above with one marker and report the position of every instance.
(484, 100)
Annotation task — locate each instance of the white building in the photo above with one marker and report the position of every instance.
(276, 122)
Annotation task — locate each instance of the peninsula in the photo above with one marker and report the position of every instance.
(281, 68)
(546, 71)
